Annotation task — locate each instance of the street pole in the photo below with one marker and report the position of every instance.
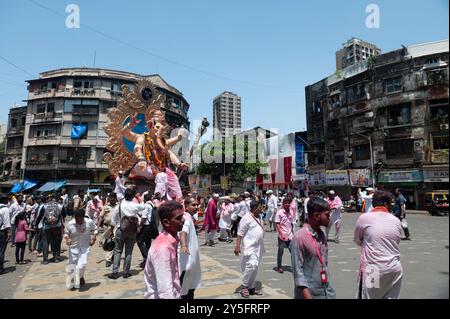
(371, 156)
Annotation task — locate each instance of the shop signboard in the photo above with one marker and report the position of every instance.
(359, 177)
(337, 177)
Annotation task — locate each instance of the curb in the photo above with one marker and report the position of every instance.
(417, 212)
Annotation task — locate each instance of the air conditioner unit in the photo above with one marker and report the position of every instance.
(444, 127)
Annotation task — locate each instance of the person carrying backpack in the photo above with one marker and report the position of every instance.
(126, 221)
(53, 225)
(144, 237)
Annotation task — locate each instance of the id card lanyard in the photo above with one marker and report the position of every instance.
(323, 273)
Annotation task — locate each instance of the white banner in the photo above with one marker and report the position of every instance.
(336, 177)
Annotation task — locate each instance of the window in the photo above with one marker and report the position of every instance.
(52, 85)
(399, 149)
(317, 108)
(440, 142)
(49, 131)
(434, 60)
(77, 84)
(40, 108)
(50, 107)
(439, 110)
(338, 157)
(13, 123)
(88, 84)
(393, 85)
(115, 87)
(23, 120)
(362, 152)
(399, 114)
(43, 86)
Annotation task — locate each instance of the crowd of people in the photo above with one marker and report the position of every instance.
(166, 232)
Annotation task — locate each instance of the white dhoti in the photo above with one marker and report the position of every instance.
(335, 219)
(77, 264)
(388, 286)
(249, 267)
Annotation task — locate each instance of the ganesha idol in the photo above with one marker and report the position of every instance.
(138, 139)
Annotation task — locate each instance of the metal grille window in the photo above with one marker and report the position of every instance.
(362, 152)
(393, 85)
(399, 115)
(400, 149)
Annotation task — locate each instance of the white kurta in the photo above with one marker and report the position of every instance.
(378, 233)
(225, 216)
(190, 263)
(252, 242)
(79, 249)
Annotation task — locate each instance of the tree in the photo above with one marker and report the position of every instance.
(246, 160)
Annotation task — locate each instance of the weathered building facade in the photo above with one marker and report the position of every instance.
(388, 114)
(65, 115)
(13, 145)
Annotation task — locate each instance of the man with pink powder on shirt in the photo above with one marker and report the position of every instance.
(161, 272)
(284, 221)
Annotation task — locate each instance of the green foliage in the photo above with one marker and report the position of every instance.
(236, 172)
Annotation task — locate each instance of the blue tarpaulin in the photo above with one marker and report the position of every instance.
(78, 131)
(27, 184)
(51, 186)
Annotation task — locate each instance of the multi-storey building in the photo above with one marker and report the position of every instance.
(388, 115)
(77, 99)
(353, 51)
(13, 145)
(226, 115)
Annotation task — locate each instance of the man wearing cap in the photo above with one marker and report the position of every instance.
(335, 214)
(120, 186)
(272, 205)
(367, 199)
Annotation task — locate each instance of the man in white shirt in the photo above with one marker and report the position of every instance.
(378, 232)
(251, 235)
(367, 199)
(120, 186)
(5, 226)
(272, 205)
(144, 239)
(129, 212)
(80, 235)
(189, 256)
(14, 211)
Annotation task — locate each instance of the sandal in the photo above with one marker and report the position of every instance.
(245, 293)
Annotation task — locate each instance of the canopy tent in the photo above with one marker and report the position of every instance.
(27, 184)
(51, 186)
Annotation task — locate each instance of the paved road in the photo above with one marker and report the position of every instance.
(425, 261)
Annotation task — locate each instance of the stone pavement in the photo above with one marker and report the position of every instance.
(425, 261)
(48, 281)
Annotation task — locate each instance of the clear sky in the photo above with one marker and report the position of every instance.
(266, 51)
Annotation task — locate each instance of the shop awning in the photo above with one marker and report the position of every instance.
(27, 184)
(51, 186)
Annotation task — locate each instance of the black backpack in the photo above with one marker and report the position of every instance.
(154, 223)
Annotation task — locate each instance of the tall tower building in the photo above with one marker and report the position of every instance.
(353, 51)
(226, 114)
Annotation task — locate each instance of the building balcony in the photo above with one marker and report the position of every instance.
(44, 94)
(15, 131)
(41, 164)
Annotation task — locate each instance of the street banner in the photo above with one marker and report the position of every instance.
(316, 177)
(359, 177)
(200, 183)
(337, 177)
(224, 182)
